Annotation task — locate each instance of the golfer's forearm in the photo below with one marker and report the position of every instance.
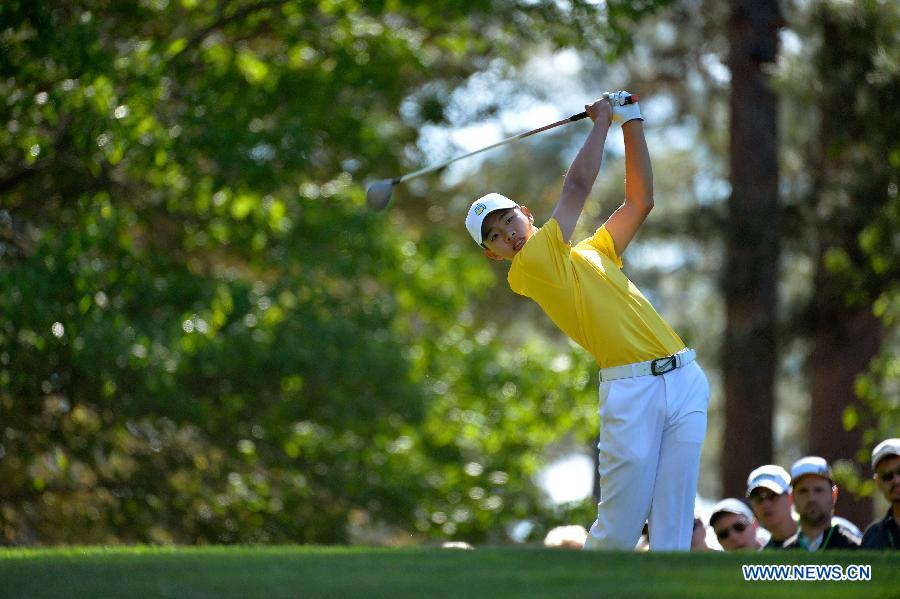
(638, 170)
(586, 165)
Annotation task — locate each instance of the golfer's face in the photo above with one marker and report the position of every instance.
(507, 231)
(814, 499)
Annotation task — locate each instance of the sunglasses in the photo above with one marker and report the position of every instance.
(738, 527)
(761, 497)
(889, 475)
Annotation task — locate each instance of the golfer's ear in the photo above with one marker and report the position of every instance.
(527, 213)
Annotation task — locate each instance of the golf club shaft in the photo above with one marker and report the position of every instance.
(571, 119)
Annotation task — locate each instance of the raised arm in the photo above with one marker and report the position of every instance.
(623, 224)
(580, 178)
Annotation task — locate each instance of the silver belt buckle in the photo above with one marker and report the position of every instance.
(661, 366)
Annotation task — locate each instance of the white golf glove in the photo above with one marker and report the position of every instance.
(622, 112)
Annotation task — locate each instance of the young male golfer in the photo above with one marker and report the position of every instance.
(653, 395)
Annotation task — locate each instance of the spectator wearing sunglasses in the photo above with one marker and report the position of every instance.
(769, 492)
(885, 533)
(734, 525)
(815, 493)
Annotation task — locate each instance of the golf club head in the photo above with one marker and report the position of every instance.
(379, 194)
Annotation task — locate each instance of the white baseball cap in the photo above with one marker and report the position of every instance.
(479, 210)
(772, 477)
(811, 465)
(884, 449)
(730, 505)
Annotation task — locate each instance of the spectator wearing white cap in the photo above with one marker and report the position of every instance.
(885, 533)
(768, 488)
(815, 493)
(769, 492)
(734, 525)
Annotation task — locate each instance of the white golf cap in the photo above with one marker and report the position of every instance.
(811, 465)
(884, 449)
(480, 208)
(772, 477)
(730, 505)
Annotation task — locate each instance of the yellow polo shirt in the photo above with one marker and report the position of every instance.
(585, 293)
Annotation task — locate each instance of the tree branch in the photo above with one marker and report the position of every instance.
(11, 180)
(222, 21)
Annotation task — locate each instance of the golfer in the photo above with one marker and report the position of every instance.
(653, 395)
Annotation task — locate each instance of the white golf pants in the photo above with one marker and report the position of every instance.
(651, 431)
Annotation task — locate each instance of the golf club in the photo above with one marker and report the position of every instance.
(379, 193)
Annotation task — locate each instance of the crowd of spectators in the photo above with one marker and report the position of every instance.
(788, 510)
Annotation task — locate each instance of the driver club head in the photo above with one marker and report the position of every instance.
(379, 194)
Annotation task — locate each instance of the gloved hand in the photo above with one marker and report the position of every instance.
(623, 111)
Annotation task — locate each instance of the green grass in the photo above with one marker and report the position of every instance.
(140, 572)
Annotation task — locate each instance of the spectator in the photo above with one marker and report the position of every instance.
(456, 545)
(643, 543)
(885, 533)
(698, 537)
(566, 537)
(815, 493)
(768, 488)
(848, 525)
(734, 525)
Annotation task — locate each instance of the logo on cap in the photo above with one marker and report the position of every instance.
(479, 209)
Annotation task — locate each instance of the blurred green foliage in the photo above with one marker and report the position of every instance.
(844, 211)
(859, 202)
(205, 335)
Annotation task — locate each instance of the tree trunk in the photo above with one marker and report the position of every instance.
(752, 245)
(844, 341)
(845, 333)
